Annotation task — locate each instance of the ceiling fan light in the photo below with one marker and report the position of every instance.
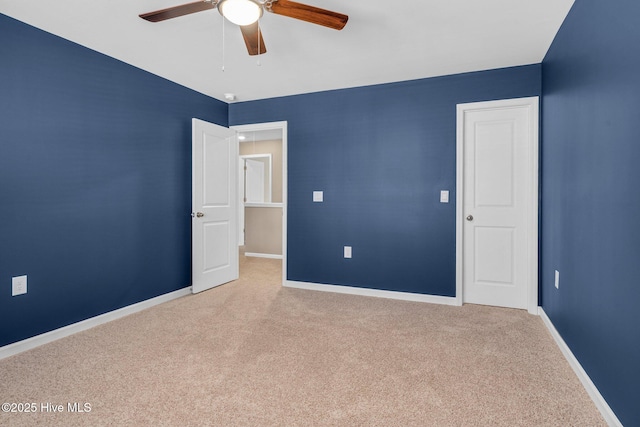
(240, 12)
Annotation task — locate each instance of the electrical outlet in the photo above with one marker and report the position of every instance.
(18, 285)
(318, 196)
(444, 196)
(347, 251)
(557, 279)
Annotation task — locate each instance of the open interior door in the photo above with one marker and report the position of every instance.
(214, 205)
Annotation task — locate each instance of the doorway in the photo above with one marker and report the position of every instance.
(497, 203)
(262, 214)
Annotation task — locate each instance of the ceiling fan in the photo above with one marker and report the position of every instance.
(245, 13)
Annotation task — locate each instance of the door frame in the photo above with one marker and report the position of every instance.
(532, 103)
(282, 125)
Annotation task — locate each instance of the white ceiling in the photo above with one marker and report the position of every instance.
(384, 41)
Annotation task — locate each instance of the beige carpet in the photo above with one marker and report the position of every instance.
(251, 353)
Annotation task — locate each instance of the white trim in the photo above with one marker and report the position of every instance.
(283, 126)
(56, 334)
(263, 205)
(532, 221)
(259, 255)
(459, 201)
(368, 292)
(602, 405)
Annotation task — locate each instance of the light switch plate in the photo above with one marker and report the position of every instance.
(347, 251)
(318, 196)
(444, 196)
(18, 285)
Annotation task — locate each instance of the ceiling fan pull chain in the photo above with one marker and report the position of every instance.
(223, 43)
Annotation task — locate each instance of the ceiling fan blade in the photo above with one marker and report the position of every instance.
(312, 14)
(253, 39)
(174, 12)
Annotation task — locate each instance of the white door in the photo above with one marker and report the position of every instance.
(214, 205)
(497, 215)
(254, 172)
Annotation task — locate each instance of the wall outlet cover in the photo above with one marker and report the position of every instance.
(318, 196)
(444, 196)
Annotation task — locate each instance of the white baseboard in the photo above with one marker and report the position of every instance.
(352, 290)
(47, 337)
(258, 255)
(589, 386)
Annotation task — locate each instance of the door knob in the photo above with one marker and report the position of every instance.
(469, 217)
(198, 214)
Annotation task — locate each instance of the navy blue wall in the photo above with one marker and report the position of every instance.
(590, 205)
(381, 154)
(95, 181)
